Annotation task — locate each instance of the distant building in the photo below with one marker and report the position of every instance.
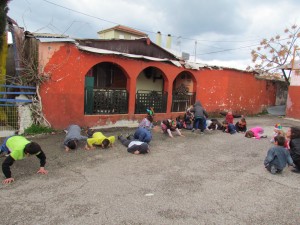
(121, 32)
(112, 83)
(293, 103)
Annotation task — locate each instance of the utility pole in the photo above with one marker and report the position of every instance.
(195, 50)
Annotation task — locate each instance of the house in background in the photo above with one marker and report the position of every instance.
(121, 32)
(112, 82)
(293, 102)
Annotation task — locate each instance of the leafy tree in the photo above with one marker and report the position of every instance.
(274, 53)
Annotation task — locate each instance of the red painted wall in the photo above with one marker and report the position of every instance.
(234, 90)
(218, 90)
(293, 102)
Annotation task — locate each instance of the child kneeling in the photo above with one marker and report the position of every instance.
(168, 126)
(278, 156)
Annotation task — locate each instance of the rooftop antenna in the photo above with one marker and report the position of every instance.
(178, 43)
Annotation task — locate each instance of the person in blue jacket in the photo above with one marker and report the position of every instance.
(278, 156)
(228, 127)
(143, 134)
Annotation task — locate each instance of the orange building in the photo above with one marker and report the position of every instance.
(113, 82)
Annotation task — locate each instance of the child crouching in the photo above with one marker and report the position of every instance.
(278, 156)
(98, 139)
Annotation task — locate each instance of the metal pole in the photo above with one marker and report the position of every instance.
(195, 50)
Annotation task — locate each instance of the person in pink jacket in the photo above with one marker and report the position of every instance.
(255, 132)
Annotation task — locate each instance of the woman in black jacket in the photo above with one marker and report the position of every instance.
(294, 134)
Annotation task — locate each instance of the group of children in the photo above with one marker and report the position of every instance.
(286, 148)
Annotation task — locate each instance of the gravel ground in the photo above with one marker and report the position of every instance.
(215, 178)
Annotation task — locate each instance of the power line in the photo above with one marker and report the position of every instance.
(229, 49)
(175, 36)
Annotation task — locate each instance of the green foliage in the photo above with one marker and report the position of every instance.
(38, 129)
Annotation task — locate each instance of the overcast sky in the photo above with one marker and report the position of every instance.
(223, 29)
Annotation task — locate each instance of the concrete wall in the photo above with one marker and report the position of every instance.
(281, 93)
(218, 90)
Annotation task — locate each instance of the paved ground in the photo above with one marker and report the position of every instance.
(214, 178)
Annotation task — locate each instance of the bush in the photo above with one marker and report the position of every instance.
(38, 129)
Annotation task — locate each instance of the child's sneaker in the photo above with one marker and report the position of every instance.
(129, 137)
(193, 130)
(119, 136)
(273, 169)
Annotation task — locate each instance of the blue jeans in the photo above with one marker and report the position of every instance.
(199, 123)
(4, 148)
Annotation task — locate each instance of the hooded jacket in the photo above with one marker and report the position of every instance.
(198, 110)
(73, 133)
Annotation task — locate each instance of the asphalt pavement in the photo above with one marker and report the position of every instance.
(215, 178)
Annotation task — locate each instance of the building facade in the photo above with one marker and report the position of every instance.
(94, 83)
(121, 32)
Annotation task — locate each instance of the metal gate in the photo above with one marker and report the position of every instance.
(110, 101)
(146, 99)
(182, 99)
(180, 102)
(9, 104)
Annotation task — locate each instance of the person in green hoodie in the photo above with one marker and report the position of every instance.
(98, 139)
(17, 148)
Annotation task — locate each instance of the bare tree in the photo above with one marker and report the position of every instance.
(272, 54)
(29, 74)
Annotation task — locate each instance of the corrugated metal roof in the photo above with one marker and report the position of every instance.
(141, 46)
(48, 35)
(45, 40)
(108, 52)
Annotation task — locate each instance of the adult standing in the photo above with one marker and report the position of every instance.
(200, 116)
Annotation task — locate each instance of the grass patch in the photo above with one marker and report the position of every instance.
(38, 129)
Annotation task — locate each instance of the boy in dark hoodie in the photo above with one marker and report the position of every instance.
(200, 116)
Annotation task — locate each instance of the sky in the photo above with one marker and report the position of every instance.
(216, 32)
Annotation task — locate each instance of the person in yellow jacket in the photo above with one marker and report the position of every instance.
(98, 139)
(18, 147)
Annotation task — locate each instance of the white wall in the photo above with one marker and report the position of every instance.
(295, 78)
(143, 83)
